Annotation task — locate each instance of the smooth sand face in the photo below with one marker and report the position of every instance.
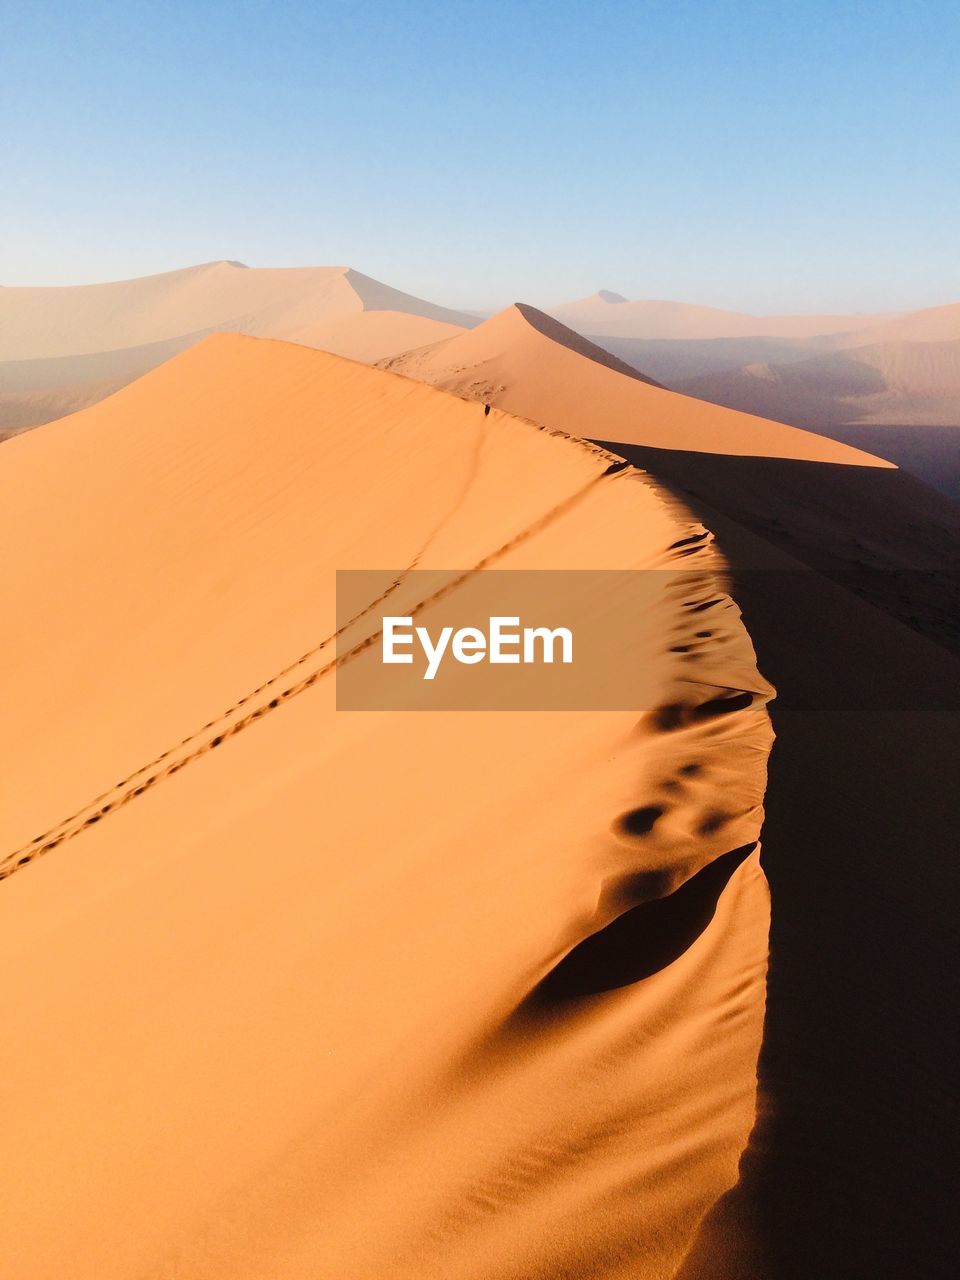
(270, 1013)
(528, 364)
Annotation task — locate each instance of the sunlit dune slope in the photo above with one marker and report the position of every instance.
(296, 992)
(530, 364)
(75, 344)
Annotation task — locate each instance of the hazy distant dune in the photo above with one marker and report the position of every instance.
(609, 315)
(83, 319)
(932, 324)
(896, 382)
(96, 337)
(372, 335)
(817, 373)
(673, 360)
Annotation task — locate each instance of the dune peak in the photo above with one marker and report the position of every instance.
(562, 334)
(533, 365)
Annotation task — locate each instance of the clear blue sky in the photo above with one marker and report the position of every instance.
(765, 156)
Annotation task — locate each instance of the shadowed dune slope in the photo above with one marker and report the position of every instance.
(298, 992)
(19, 411)
(849, 577)
(529, 364)
(836, 570)
(932, 454)
(838, 567)
(74, 343)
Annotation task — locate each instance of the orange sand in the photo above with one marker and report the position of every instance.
(268, 1015)
(529, 364)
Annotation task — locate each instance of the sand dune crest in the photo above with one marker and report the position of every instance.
(531, 365)
(317, 986)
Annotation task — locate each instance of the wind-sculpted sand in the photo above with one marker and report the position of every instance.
(530, 364)
(298, 992)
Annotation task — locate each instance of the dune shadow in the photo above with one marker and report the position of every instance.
(638, 944)
(844, 1175)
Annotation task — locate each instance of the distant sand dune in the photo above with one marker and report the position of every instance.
(931, 324)
(891, 382)
(674, 360)
(372, 335)
(75, 344)
(84, 319)
(609, 315)
(822, 373)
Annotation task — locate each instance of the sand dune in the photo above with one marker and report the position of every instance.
(674, 360)
(295, 992)
(849, 578)
(932, 454)
(372, 335)
(70, 343)
(19, 411)
(931, 324)
(742, 361)
(57, 322)
(529, 364)
(33, 392)
(893, 382)
(606, 314)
